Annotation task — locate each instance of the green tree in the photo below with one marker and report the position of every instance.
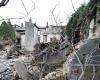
(7, 32)
(74, 21)
(81, 19)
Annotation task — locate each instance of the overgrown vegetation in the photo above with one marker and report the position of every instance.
(80, 20)
(51, 46)
(7, 32)
(75, 19)
(40, 47)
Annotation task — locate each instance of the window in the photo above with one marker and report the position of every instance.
(44, 38)
(39, 39)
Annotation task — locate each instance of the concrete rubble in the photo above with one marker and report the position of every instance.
(22, 71)
(10, 68)
(55, 75)
(22, 66)
(28, 67)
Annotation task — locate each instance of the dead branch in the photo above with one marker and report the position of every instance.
(93, 73)
(21, 13)
(4, 3)
(73, 5)
(52, 12)
(24, 6)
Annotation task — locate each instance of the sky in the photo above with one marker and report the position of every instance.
(42, 12)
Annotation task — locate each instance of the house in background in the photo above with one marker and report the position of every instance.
(43, 33)
(30, 34)
(49, 32)
(54, 32)
(27, 36)
(20, 36)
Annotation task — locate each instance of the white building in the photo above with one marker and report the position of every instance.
(49, 32)
(31, 35)
(43, 34)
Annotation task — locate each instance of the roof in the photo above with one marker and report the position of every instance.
(36, 25)
(42, 28)
(57, 26)
(89, 53)
(33, 24)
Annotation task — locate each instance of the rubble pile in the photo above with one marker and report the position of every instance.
(16, 66)
(6, 69)
(44, 65)
(55, 75)
(11, 68)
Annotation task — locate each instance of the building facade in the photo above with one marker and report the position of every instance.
(31, 35)
(49, 32)
(20, 36)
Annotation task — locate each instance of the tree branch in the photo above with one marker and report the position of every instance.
(3, 3)
(21, 13)
(52, 12)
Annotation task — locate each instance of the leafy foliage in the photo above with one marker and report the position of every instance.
(51, 46)
(40, 47)
(7, 32)
(81, 19)
(75, 21)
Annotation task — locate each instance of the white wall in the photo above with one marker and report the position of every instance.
(49, 36)
(57, 36)
(97, 32)
(35, 35)
(41, 38)
(49, 32)
(31, 36)
(91, 28)
(23, 40)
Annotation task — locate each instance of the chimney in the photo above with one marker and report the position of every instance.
(9, 20)
(22, 25)
(30, 20)
(47, 25)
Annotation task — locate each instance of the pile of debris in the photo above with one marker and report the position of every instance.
(51, 59)
(18, 68)
(15, 66)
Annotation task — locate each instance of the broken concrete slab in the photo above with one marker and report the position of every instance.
(3, 55)
(3, 68)
(22, 71)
